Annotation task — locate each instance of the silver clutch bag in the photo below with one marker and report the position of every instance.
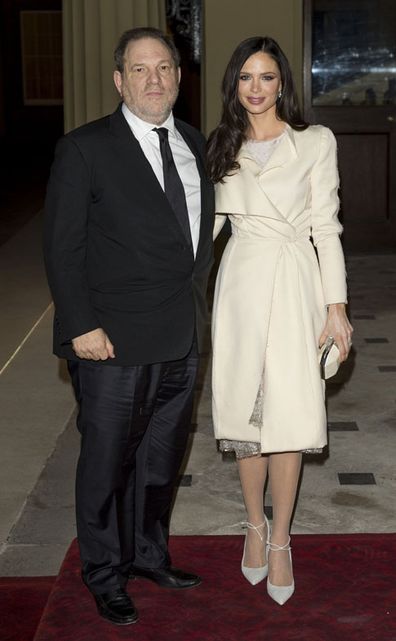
(329, 358)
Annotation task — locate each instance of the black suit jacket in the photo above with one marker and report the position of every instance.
(115, 254)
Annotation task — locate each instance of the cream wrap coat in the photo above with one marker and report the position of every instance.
(271, 292)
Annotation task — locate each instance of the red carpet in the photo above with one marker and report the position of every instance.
(22, 601)
(345, 591)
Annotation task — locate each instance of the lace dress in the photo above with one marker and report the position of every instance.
(261, 151)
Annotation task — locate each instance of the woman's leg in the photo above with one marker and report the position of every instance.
(284, 472)
(253, 473)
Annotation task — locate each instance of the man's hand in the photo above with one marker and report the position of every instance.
(93, 346)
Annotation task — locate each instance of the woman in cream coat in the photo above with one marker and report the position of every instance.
(276, 299)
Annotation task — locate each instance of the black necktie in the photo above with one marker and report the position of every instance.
(173, 185)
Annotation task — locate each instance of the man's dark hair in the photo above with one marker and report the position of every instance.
(138, 34)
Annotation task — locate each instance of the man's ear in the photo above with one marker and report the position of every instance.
(117, 77)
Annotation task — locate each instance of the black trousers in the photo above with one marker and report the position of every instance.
(134, 424)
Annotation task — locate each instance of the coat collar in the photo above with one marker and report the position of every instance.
(284, 152)
(270, 178)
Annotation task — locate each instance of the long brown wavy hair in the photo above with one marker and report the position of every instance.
(225, 141)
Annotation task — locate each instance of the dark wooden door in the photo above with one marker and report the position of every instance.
(350, 86)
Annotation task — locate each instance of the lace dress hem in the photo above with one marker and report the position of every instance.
(245, 449)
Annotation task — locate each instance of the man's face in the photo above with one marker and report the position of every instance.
(149, 83)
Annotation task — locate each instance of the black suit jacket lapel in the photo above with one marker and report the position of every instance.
(138, 163)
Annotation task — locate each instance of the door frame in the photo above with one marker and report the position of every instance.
(350, 119)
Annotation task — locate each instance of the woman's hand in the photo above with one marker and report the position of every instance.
(339, 327)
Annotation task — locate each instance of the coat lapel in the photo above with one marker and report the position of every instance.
(270, 178)
(284, 152)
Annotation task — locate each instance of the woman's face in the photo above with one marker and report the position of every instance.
(259, 84)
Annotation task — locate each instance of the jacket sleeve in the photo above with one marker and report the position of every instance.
(326, 228)
(65, 240)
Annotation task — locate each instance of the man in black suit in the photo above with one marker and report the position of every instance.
(128, 250)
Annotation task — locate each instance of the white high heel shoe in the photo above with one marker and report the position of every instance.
(255, 575)
(280, 593)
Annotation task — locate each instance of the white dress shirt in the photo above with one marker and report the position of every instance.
(184, 161)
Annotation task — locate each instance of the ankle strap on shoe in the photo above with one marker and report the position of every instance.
(274, 547)
(250, 526)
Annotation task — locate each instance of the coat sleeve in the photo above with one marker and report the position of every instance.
(326, 228)
(65, 241)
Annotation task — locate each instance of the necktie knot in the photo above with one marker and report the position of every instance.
(162, 132)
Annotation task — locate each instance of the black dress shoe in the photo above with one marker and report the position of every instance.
(167, 577)
(117, 607)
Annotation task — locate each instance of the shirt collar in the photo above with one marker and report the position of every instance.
(140, 128)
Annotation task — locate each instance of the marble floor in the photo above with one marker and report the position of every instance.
(349, 488)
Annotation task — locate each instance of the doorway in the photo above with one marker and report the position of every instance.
(350, 86)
